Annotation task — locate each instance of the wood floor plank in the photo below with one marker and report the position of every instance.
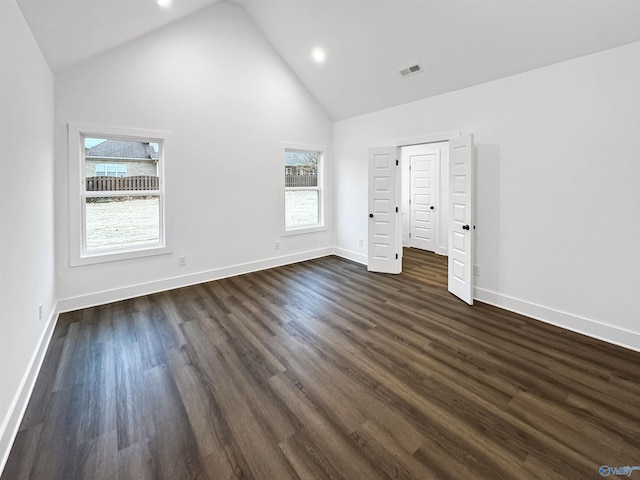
(35, 413)
(132, 405)
(322, 370)
(334, 443)
(172, 446)
(253, 436)
(387, 455)
(100, 457)
(135, 463)
(203, 418)
(21, 459)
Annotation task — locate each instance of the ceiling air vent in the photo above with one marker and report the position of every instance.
(412, 70)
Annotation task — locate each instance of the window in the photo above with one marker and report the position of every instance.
(117, 194)
(110, 170)
(303, 205)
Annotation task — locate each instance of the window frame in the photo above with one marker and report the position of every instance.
(321, 189)
(78, 254)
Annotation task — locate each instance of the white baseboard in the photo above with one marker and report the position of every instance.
(349, 255)
(568, 321)
(11, 424)
(132, 291)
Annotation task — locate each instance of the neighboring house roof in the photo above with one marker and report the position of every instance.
(122, 149)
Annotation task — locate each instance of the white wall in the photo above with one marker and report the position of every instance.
(558, 186)
(228, 100)
(26, 214)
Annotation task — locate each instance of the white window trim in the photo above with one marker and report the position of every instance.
(321, 225)
(78, 255)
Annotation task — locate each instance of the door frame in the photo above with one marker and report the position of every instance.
(441, 186)
(420, 140)
(431, 138)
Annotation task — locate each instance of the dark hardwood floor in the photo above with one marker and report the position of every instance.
(320, 370)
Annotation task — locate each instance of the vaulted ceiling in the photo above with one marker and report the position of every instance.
(459, 43)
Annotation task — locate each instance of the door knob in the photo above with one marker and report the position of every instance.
(432, 207)
(371, 215)
(465, 227)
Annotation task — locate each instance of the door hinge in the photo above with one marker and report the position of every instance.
(397, 163)
(409, 234)
(409, 167)
(396, 256)
(409, 201)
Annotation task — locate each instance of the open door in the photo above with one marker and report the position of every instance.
(384, 244)
(461, 217)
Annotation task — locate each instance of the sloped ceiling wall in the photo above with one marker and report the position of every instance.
(460, 43)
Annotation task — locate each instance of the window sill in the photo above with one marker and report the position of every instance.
(303, 230)
(119, 255)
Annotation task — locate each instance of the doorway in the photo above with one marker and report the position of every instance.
(425, 194)
(386, 202)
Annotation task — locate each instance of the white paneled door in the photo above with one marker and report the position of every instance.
(461, 217)
(384, 245)
(424, 175)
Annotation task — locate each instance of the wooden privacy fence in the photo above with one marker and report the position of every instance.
(300, 180)
(136, 182)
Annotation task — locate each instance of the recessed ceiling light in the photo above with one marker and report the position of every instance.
(163, 3)
(318, 55)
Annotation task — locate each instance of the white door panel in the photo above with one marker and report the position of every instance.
(384, 247)
(424, 161)
(461, 221)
